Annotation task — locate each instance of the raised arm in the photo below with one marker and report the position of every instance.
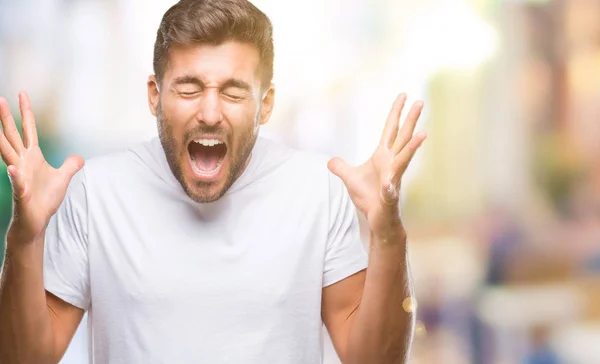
(35, 326)
(370, 316)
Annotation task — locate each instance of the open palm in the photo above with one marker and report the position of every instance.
(374, 186)
(38, 188)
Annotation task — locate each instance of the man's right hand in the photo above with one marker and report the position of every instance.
(38, 188)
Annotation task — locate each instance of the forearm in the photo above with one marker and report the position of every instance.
(26, 334)
(381, 328)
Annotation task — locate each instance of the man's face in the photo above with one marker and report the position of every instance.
(209, 108)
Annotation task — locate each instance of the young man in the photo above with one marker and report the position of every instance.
(207, 244)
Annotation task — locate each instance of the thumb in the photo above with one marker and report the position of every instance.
(390, 193)
(71, 166)
(339, 167)
(17, 181)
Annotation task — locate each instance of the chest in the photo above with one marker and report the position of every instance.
(265, 255)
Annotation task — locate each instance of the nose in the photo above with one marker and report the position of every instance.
(210, 112)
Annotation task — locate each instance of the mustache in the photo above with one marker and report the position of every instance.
(217, 131)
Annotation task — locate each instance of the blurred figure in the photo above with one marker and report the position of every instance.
(505, 239)
(541, 351)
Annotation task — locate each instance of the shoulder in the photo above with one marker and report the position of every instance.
(136, 155)
(143, 158)
(127, 169)
(299, 161)
(306, 170)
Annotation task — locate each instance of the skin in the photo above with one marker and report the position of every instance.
(367, 314)
(363, 313)
(210, 91)
(35, 326)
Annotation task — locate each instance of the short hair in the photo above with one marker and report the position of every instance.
(214, 22)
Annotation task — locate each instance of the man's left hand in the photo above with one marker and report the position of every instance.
(374, 186)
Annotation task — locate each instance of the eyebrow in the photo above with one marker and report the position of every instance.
(236, 83)
(232, 82)
(183, 80)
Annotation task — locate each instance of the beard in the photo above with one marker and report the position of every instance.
(176, 153)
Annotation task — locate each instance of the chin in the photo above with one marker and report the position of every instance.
(202, 192)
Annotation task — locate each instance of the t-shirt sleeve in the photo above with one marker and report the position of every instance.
(66, 270)
(345, 253)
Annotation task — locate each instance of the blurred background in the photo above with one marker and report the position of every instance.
(502, 203)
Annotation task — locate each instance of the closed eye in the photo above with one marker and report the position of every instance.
(233, 97)
(188, 94)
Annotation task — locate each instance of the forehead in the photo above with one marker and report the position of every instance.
(214, 63)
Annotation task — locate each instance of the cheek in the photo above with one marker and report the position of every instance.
(179, 114)
(241, 117)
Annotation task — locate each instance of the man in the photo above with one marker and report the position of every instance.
(208, 244)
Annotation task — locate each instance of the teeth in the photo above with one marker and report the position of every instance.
(208, 142)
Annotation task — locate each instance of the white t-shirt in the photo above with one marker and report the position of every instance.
(168, 280)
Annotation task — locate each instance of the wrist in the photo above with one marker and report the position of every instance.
(390, 235)
(18, 236)
(390, 244)
(22, 254)
(392, 229)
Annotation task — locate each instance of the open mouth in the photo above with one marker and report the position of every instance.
(207, 156)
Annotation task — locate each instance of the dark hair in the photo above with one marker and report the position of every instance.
(213, 22)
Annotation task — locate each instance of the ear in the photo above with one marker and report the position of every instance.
(153, 94)
(267, 104)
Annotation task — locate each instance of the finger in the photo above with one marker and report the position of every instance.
(340, 168)
(30, 136)
(402, 160)
(9, 128)
(18, 184)
(9, 156)
(408, 127)
(71, 166)
(391, 125)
